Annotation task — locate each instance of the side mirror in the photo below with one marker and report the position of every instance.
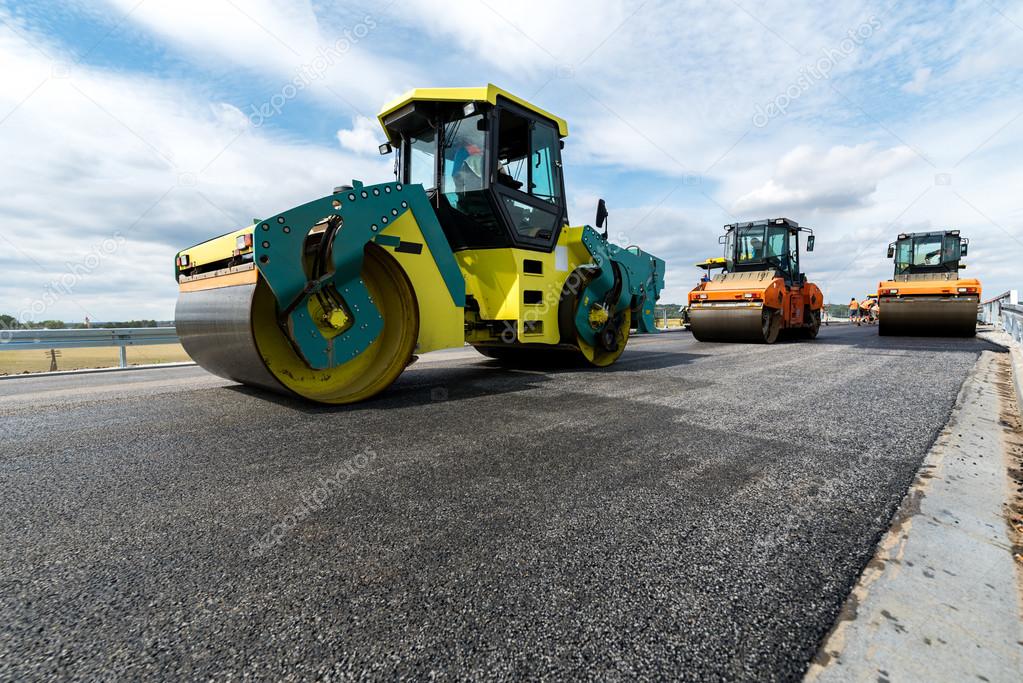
(965, 248)
(809, 243)
(891, 251)
(601, 213)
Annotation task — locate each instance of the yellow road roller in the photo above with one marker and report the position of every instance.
(926, 295)
(470, 243)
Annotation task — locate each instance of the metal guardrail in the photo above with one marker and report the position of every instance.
(17, 340)
(1012, 321)
(990, 311)
(1004, 311)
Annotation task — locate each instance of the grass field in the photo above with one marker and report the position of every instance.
(18, 362)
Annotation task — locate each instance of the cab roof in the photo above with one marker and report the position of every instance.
(933, 233)
(787, 222)
(487, 93)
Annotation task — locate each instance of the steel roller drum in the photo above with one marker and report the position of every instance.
(935, 316)
(215, 327)
(731, 323)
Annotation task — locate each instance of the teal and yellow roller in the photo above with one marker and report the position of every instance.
(332, 299)
(321, 300)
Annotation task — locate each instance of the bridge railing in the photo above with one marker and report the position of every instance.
(15, 340)
(1012, 321)
(990, 311)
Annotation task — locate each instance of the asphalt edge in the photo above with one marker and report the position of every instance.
(96, 371)
(834, 641)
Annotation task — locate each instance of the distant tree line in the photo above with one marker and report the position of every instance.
(837, 310)
(674, 310)
(9, 322)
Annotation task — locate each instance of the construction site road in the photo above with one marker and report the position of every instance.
(697, 511)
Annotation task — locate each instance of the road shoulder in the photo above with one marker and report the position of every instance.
(940, 600)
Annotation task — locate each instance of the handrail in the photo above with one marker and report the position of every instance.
(990, 311)
(15, 340)
(1012, 321)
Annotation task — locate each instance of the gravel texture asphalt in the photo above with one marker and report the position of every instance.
(697, 511)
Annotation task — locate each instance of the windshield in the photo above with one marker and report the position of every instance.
(464, 143)
(927, 253)
(762, 244)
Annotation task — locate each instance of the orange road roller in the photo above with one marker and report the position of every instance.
(761, 292)
(926, 295)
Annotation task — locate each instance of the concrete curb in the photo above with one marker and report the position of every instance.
(1015, 353)
(96, 371)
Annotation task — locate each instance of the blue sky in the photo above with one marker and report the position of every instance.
(132, 129)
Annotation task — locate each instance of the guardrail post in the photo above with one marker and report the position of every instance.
(122, 354)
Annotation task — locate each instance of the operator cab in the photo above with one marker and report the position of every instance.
(490, 164)
(920, 253)
(765, 245)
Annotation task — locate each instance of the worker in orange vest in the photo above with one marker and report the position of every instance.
(865, 311)
(854, 311)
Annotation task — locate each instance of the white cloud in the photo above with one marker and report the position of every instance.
(919, 83)
(100, 155)
(364, 137)
(533, 36)
(840, 178)
(283, 40)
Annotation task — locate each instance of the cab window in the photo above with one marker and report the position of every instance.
(466, 212)
(530, 221)
(423, 159)
(751, 244)
(527, 157)
(546, 181)
(953, 249)
(464, 146)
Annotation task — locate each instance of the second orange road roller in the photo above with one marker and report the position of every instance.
(926, 295)
(761, 292)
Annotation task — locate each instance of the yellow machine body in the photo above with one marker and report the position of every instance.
(332, 299)
(521, 286)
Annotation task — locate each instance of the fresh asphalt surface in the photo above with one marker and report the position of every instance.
(697, 511)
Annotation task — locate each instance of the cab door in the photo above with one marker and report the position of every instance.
(796, 303)
(527, 179)
(794, 281)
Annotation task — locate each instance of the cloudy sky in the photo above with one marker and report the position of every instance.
(130, 129)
